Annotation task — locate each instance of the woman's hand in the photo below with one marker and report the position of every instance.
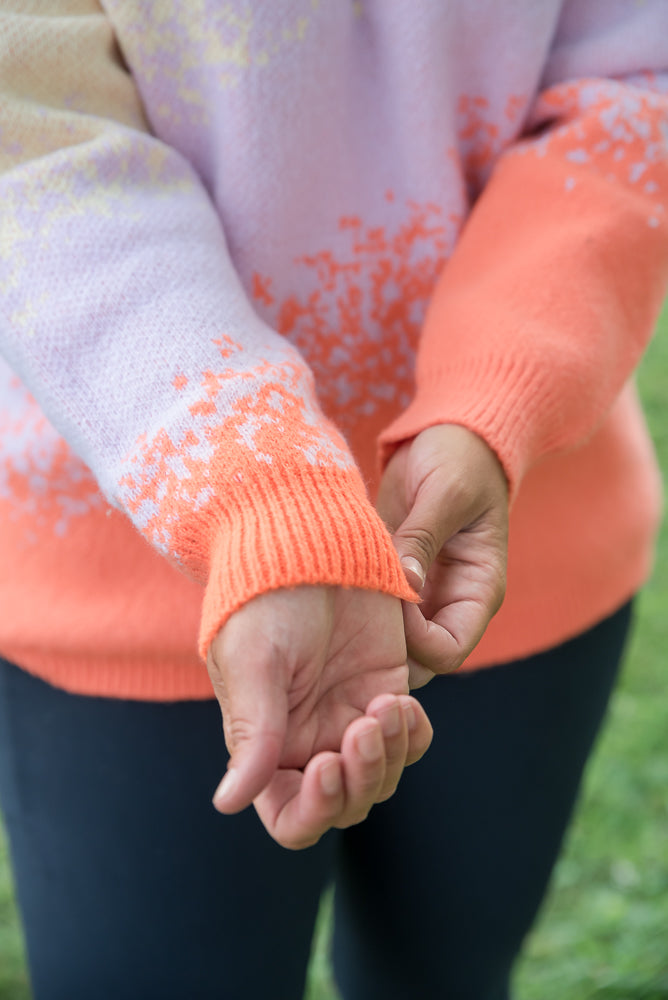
(313, 687)
(444, 496)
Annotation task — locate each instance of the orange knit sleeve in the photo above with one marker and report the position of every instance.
(124, 315)
(543, 310)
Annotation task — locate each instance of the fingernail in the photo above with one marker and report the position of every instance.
(411, 717)
(390, 720)
(225, 788)
(370, 744)
(413, 567)
(330, 778)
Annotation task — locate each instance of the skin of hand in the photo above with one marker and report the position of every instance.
(313, 687)
(444, 495)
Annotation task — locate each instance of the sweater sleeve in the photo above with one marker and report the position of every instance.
(546, 304)
(124, 316)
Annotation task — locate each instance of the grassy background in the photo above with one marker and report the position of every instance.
(603, 933)
(13, 982)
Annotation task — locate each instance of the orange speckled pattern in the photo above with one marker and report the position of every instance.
(247, 249)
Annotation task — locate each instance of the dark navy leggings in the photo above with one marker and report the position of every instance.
(131, 886)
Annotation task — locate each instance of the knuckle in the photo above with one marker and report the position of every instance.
(498, 588)
(370, 779)
(387, 793)
(462, 493)
(298, 843)
(424, 542)
(498, 599)
(238, 732)
(365, 794)
(354, 818)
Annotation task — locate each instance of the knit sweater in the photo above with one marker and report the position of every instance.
(247, 248)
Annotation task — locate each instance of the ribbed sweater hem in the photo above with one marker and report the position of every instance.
(134, 678)
(529, 626)
(535, 626)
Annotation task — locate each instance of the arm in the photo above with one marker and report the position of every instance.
(123, 314)
(544, 309)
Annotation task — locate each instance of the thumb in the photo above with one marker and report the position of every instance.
(255, 711)
(423, 533)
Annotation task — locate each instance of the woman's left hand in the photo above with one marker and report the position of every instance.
(444, 495)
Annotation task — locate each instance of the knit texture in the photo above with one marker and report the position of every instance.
(585, 210)
(241, 245)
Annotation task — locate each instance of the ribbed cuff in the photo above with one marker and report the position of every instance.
(289, 527)
(507, 402)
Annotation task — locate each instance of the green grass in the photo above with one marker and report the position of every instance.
(603, 932)
(13, 980)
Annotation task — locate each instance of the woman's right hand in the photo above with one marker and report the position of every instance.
(313, 688)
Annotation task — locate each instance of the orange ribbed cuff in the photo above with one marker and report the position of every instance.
(497, 398)
(293, 526)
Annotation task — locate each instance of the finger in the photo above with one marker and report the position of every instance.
(419, 728)
(255, 712)
(363, 757)
(442, 643)
(392, 500)
(392, 717)
(435, 516)
(418, 675)
(297, 808)
(429, 644)
(458, 479)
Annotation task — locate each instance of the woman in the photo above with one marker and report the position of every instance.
(243, 245)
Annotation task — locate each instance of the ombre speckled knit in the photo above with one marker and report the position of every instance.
(244, 246)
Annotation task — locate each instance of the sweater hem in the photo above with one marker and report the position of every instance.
(554, 620)
(126, 678)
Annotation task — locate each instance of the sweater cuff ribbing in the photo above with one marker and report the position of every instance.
(296, 527)
(499, 399)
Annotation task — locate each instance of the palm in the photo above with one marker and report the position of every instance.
(313, 687)
(332, 682)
